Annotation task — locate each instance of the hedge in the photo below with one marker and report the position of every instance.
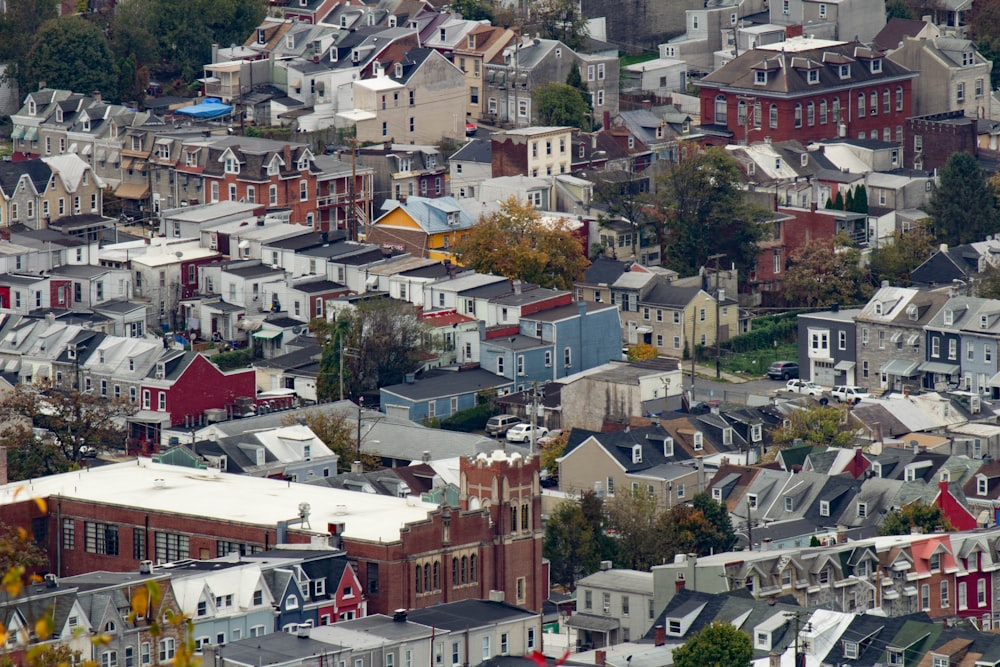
(470, 419)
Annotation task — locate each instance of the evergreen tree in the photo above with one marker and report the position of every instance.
(861, 199)
(838, 201)
(575, 79)
(963, 207)
(849, 201)
(829, 203)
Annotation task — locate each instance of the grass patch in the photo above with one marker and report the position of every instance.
(755, 362)
(625, 61)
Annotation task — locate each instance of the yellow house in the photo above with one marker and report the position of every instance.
(421, 226)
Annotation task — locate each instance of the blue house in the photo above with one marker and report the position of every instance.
(441, 392)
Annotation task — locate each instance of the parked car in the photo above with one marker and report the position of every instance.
(803, 387)
(470, 129)
(522, 433)
(500, 424)
(550, 437)
(783, 370)
(850, 394)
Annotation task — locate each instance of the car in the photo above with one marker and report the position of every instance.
(803, 387)
(550, 437)
(522, 433)
(470, 129)
(783, 370)
(850, 394)
(499, 424)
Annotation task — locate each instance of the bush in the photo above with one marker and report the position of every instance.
(227, 361)
(470, 419)
(766, 330)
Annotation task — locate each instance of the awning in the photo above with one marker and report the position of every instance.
(844, 366)
(896, 337)
(909, 591)
(127, 163)
(31, 134)
(74, 147)
(87, 148)
(102, 155)
(113, 157)
(913, 340)
(940, 368)
(17, 132)
(995, 381)
(149, 416)
(163, 141)
(266, 334)
(132, 191)
(900, 367)
(593, 623)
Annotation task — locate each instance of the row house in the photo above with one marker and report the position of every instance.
(954, 76)
(807, 89)
(404, 170)
(56, 190)
(303, 299)
(828, 347)
(166, 275)
(481, 45)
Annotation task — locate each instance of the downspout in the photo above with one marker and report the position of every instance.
(59, 538)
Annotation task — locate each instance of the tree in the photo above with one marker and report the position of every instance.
(575, 79)
(717, 645)
(18, 550)
(71, 53)
(838, 201)
(18, 24)
(898, 9)
(634, 518)
(515, 242)
(703, 212)
(894, 260)
(71, 422)
(963, 207)
(860, 204)
(562, 20)
(473, 10)
(681, 530)
(339, 434)
(551, 452)
(916, 514)
(816, 425)
(569, 544)
(823, 272)
(561, 104)
(722, 537)
(987, 285)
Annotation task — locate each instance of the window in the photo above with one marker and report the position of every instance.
(773, 116)
(960, 92)
(935, 562)
(861, 104)
(862, 510)
(874, 104)
(798, 115)
(167, 648)
(789, 503)
(945, 601)
(145, 656)
(981, 592)
(824, 508)
(487, 654)
(272, 195)
(171, 546)
(567, 357)
(925, 597)
(101, 538)
(752, 501)
(953, 349)
(851, 650)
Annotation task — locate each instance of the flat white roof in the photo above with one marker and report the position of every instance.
(186, 255)
(796, 44)
(225, 497)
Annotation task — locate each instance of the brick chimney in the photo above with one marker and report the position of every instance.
(659, 636)
(600, 658)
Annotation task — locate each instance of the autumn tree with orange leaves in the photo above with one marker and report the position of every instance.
(515, 242)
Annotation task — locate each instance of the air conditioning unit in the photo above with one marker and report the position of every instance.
(607, 609)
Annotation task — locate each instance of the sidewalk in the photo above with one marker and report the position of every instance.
(710, 372)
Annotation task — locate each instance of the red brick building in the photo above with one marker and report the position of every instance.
(407, 553)
(806, 89)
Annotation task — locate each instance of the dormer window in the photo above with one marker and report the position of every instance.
(443, 34)
(877, 66)
(343, 21)
(470, 41)
(668, 447)
(699, 441)
(355, 56)
(949, 317)
(32, 107)
(760, 78)
(878, 307)
(968, 58)
(911, 312)
(812, 76)
(86, 125)
(727, 436)
(789, 503)
(982, 486)
(804, 160)
(935, 562)
(261, 36)
(756, 432)
(398, 73)
(289, 41)
(984, 321)
(232, 165)
(844, 71)
(303, 163)
(862, 510)
(824, 508)
(59, 115)
(636, 453)
(392, 21)
(876, 469)
(333, 54)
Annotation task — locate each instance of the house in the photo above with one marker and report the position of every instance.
(639, 459)
(469, 166)
(481, 629)
(660, 76)
(421, 227)
(480, 46)
(962, 263)
(807, 89)
(860, 20)
(512, 75)
(441, 392)
(931, 139)
(531, 151)
(624, 597)
(890, 337)
(828, 354)
(404, 170)
(954, 76)
(385, 106)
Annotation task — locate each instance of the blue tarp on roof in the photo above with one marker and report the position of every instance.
(212, 107)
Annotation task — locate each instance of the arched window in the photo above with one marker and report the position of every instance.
(437, 577)
(427, 578)
(513, 518)
(861, 105)
(835, 108)
(741, 112)
(798, 115)
(811, 114)
(417, 578)
(525, 516)
(721, 115)
(473, 574)
(822, 112)
(465, 569)
(758, 116)
(773, 116)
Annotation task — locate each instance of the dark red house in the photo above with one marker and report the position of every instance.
(806, 89)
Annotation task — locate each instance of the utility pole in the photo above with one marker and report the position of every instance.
(352, 231)
(797, 615)
(534, 417)
(749, 527)
(694, 334)
(718, 343)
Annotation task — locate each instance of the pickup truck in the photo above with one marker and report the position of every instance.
(803, 387)
(849, 394)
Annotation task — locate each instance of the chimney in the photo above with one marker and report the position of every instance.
(357, 468)
(3, 466)
(877, 434)
(835, 308)
(774, 660)
(659, 636)
(943, 247)
(96, 95)
(600, 658)
(647, 104)
(607, 120)
(605, 565)
(399, 616)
